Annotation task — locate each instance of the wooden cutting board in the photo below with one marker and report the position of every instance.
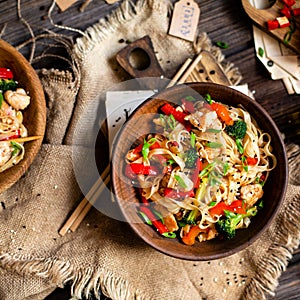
(261, 16)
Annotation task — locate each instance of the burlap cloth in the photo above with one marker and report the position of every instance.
(104, 253)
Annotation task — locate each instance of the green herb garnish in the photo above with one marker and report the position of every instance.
(180, 181)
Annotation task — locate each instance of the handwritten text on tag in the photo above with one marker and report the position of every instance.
(185, 20)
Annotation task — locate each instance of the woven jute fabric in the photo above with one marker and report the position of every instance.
(104, 254)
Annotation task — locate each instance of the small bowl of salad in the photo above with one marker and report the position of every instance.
(22, 115)
(194, 169)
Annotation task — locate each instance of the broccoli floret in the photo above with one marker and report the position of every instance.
(237, 131)
(190, 158)
(227, 226)
(8, 84)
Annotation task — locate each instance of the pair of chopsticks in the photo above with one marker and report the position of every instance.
(185, 71)
(87, 202)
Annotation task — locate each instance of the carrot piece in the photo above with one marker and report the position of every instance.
(189, 239)
(222, 113)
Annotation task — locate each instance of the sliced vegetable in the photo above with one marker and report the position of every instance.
(188, 105)
(133, 169)
(213, 145)
(5, 137)
(1, 100)
(251, 161)
(222, 45)
(222, 113)
(193, 139)
(219, 209)
(161, 228)
(289, 2)
(283, 22)
(146, 147)
(244, 163)
(272, 24)
(195, 177)
(180, 181)
(261, 52)
(6, 73)
(208, 99)
(17, 147)
(296, 11)
(179, 116)
(175, 194)
(286, 11)
(190, 237)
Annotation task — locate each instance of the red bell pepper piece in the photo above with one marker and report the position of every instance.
(235, 207)
(286, 11)
(139, 148)
(175, 194)
(289, 2)
(161, 228)
(296, 11)
(273, 24)
(222, 113)
(179, 116)
(188, 106)
(134, 169)
(195, 177)
(16, 135)
(251, 161)
(6, 73)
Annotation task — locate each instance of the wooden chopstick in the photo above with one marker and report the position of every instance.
(179, 73)
(190, 69)
(85, 205)
(24, 139)
(87, 202)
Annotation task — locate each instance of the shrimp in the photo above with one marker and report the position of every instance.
(17, 99)
(5, 153)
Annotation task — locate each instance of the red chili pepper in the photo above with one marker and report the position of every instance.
(179, 116)
(6, 73)
(134, 169)
(222, 113)
(251, 161)
(289, 2)
(235, 207)
(286, 11)
(16, 135)
(188, 106)
(296, 11)
(162, 229)
(175, 194)
(273, 24)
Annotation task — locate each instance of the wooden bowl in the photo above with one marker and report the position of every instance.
(140, 123)
(34, 114)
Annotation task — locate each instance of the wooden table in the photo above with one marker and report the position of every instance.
(223, 21)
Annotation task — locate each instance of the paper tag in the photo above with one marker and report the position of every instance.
(65, 4)
(185, 20)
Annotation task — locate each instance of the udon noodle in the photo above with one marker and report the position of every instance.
(202, 174)
(12, 101)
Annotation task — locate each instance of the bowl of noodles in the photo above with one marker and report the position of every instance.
(199, 171)
(22, 115)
